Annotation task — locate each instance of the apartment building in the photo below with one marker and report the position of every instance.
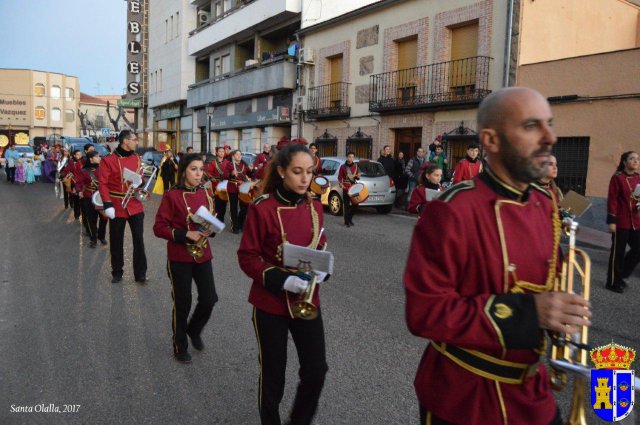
(245, 71)
(400, 73)
(171, 71)
(37, 104)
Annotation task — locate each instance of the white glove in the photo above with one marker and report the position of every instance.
(110, 212)
(295, 284)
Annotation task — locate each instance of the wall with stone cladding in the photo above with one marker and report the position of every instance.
(324, 63)
(419, 28)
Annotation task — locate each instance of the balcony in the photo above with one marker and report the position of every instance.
(245, 19)
(275, 76)
(329, 101)
(446, 85)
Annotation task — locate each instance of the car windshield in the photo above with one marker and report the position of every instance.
(371, 169)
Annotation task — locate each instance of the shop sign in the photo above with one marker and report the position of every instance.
(270, 117)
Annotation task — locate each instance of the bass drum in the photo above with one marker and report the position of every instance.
(247, 192)
(358, 193)
(221, 190)
(319, 185)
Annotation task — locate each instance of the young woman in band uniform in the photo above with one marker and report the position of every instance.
(173, 223)
(429, 179)
(284, 213)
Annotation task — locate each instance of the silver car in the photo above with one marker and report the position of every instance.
(382, 192)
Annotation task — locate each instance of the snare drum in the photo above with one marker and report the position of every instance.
(246, 192)
(221, 191)
(319, 185)
(358, 193)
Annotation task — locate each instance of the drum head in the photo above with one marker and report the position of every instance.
(355, 189)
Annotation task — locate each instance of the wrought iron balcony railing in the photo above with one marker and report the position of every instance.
(329, 101)
(453, 83)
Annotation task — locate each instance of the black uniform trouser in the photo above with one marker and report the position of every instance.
(75, 202)
(94, 222)
(621, 265)
(116, 241)
(181, 275)
(169, 181)
(238, 211)
(221, 208)
(427, 418)
(348, 207)
(308, 336)
(65, 196)
(11, 174)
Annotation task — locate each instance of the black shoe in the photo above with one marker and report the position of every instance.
(93, 244)
(623, 284)
(235, 231)
(351, 223)
(182, 357)
(196, 342)
(347, 225)
(141, 280)
(116, 279)
(617, 289)
(103, 241)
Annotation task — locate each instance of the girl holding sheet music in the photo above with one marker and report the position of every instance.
(175, 222)
(285, 213)
(429, 180)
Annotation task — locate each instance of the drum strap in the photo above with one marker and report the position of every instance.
(350, 175)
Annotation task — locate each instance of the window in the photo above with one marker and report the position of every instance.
(464, 46)
(69, 115)
(40, 113)
(55, 92)
(329, 167)
(69, 93)
(56, 114)
(226, 64)
(39, 90)
(217, 67)
(99, 122)
(572, 154)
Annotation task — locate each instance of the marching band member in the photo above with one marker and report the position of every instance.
(259, 172)
(317, 162)
(74, 168)
(623, 219)
(262, 158)
(238, 172)
(284, 214)
(428, 179)
(113, 188)
(217, 173)
(347, 176)
(485, 314)
(470, 166)
(173, 224)
(64, 159)
(86, 186)
(548, 181)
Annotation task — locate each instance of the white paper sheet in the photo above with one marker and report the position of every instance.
(433, 194)
(321, 261)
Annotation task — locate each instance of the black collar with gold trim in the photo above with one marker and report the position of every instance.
(121, 152)
(188, 188)
(288, 197)
(502, 188)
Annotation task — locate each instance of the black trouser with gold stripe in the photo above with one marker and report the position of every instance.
(221, 208)
(308, 335)
(427, 418)
(181, 275)
(238, 211)
(621, 265)
(74, 200)
(348, 207)
(94, 222)
(116, 241)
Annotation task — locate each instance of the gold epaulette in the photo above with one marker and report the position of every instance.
(261, 198)
(451, 192)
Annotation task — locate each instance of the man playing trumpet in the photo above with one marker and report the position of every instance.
(113, 187)
(484, 297)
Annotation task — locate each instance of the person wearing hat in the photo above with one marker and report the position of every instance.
(470, 166)
(86, 185)
(168, 169)
(429, 179)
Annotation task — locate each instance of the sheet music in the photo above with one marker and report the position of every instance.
(217, 226)
(433, 194)
(321, 261)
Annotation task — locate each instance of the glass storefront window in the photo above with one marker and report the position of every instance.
(40, 113)
(39, 90)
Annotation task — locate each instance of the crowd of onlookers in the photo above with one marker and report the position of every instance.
(21, 169)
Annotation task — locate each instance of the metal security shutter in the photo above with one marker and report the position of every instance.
(408, 53)
(464, 44)
(572, 154)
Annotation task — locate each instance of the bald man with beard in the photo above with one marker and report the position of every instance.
(485, 297)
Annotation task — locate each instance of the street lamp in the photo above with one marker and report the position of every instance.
(210, 108)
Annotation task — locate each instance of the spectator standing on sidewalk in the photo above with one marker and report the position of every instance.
(12, 156)
(439, 157)
(623, 219)
(401, 179)
(412, 170)
(387, 162)
(470, 166)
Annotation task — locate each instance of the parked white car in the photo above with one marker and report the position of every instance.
(382, 192)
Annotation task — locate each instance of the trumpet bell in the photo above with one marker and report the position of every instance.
(195, 250)
(305, 310)
(142, 195)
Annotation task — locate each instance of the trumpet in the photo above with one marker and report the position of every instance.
(206, 223)
(304, 307)
(568, 348)
(135, 180)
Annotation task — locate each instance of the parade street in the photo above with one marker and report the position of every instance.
(73, 340)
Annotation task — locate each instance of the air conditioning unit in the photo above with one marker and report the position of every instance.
(203, 17)
(306, 55)
(301, 103)
(250, 62)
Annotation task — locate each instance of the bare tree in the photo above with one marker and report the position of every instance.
(83, 120)
(121, 115)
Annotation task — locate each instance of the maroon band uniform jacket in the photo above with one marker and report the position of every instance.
(477, 255)
(87, 181)
(172, 221)
(317, 166)
(347, 174)
(271, 219)
(621, 206)
(216, 171)
(466, 170)
(74, 168)
(235, 181)
(419, 197)
(112, 185)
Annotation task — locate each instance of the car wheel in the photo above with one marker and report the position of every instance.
(384, 209)
(335, 204)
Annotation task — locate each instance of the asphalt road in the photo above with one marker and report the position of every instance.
(70, 337)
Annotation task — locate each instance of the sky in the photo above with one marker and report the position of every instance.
(82, 38)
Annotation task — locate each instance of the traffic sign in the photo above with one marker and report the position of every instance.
(130, 103)
(105, 132)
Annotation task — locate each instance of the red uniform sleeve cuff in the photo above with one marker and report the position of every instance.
(516, 320)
